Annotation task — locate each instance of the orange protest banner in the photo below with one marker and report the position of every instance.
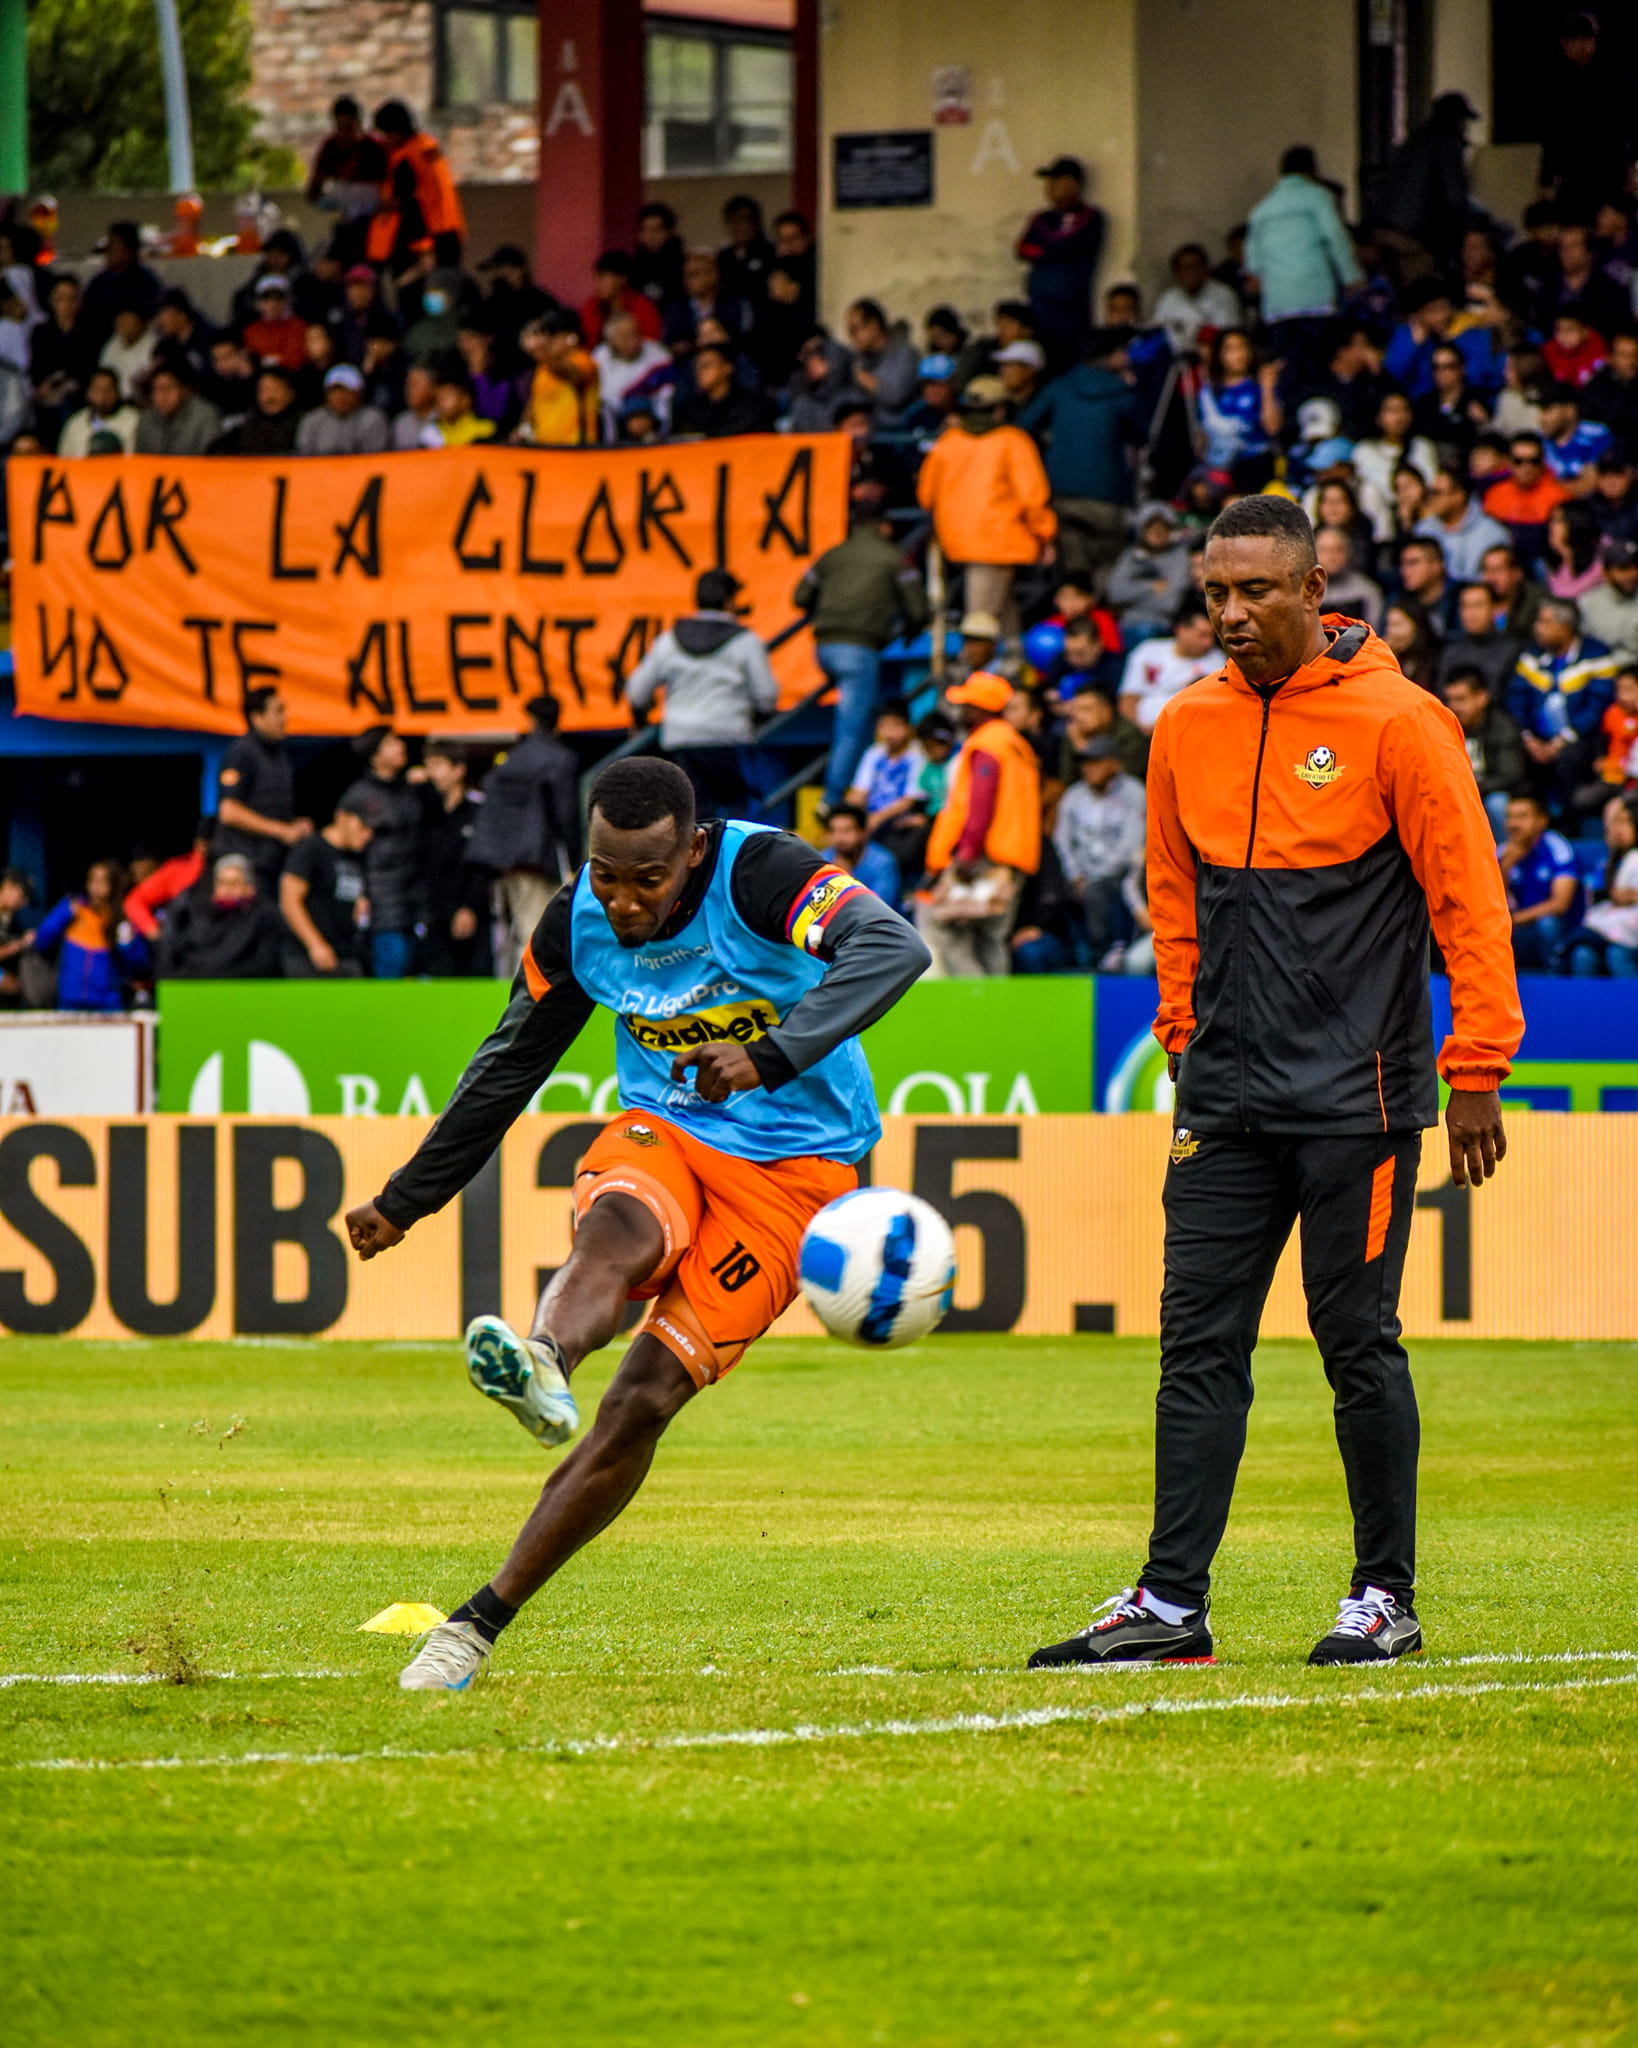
(438, 590)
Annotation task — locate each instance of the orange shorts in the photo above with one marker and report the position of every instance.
(733, 1233)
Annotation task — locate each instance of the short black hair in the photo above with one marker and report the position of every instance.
(447, 750)
(1267, 518)
(872, 310)
(1299, 162)
(642, 790)
(392, 117)
(656, 209)
(257, 700)
(345, 105)
(856, 812)
(18, 880)
(716, 589)
(615, 261)
(544, 711)
(894, 707)
(1467, 672)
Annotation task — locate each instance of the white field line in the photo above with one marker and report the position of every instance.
(159, 1678)
(846, 1731)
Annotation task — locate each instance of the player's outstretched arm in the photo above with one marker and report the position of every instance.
(370, 1232)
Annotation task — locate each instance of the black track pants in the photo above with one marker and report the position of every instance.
(1230, 1205)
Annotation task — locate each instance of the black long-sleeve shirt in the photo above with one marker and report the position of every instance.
(871, 957)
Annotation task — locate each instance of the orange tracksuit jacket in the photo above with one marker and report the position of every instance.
(1299, 841)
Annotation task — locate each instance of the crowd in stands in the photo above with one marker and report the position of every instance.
(1453, 400)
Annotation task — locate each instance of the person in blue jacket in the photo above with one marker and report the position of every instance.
(98, 952)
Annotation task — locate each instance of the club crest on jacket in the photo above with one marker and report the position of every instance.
(1321, 767)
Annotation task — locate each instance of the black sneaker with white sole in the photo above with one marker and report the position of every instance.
(1372, 1627)
(1130, 1633)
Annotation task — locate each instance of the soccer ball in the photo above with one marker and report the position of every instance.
(878, 1267)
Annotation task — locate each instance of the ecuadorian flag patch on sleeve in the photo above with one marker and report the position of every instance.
(816, 906)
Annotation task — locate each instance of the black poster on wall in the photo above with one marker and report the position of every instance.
(886, 167)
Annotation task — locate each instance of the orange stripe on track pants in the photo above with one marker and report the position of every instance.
(1376, 1236)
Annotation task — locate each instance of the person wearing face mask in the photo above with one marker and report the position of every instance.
(438, 331)
(233, 933)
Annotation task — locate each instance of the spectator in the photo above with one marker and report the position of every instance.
(527, 832)
(887, 787)
(1422, 575)
(1376, 459)
(884, 367)
(1020, 366)
(362, 317)
(60, 357)
(717, 681)
(1086, 421)
(1456, 520)
(1424, 195)
(1044, 938)
(456, 419)
(17, 925)
(183, 334)
(1195, 303)
(1157, 669)
(1089, 714)
(1523, 499)
(985, 841)
(1431, 322)
(231, 386)
(562, 406)
(1346, 589)
(1410, 508)
(1570, 556)
(124, 280)
(1518, 599)
(256, 794)
(495, 396)
(1614, 499)
(97, 952)
(1571, 444)
(1619, 767)
(271, 427)
(1606, 941)
(936, 374)
(657, 265)
(746, 259)
(1091, 654)
(1153, 574)
(629, 366)
(1543, 884)
(147, 900)
(1582, 286)
(1479, 643)
(821, 384)
(1518, 403)
(1494, 744)
(848, 846)
(704, 299)
(983, 482)
(455, 891)
(104, 412)
(1062, 244)
(419, 211)
(513, 299)
(129, 352)
(1609, 611)
(1584, 117)
(858, 596)
(1351, 379)
(613, 292)
(1452, 414)
(178, 421)
(1575, 352)
(1099, 834)
(1334, 501)
(349, 166)
(1299, 257)
(232, 934)
(1411, 640)
(437, 333)
(717, 405)
(391, 807)
(344, 424)
(416, 425)
(1610, 395)
(1561, 689)
(280, 258)
(276, 334)
(1240, 412)
(979, 638)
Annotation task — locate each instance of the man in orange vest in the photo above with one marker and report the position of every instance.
(419, 219)
(987, 838)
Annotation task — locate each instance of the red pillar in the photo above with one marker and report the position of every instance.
(805, 171)
(590, 184)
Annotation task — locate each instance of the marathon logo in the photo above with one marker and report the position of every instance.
(732, 1024)
(817, 905)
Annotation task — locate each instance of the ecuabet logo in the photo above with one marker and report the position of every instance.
(731, 1023)
(1321, 767)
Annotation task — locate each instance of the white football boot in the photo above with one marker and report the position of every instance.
(525, 1375)
(448, 1661)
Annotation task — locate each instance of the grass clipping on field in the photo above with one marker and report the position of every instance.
(167, 1654)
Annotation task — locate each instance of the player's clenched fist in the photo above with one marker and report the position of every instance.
(370, 1231)
(722, 1070)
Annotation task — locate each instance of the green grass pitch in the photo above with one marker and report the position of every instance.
(840, 1562)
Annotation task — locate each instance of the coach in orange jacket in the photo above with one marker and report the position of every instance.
(1311, 813)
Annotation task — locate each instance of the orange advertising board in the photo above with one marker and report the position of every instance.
(181, 1226)
(437, 590)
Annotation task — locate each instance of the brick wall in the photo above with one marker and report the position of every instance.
(306, 52)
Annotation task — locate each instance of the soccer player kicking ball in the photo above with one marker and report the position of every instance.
(1309, 811)
(741, 967)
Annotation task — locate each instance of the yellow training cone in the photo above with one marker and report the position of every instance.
(402, 1618)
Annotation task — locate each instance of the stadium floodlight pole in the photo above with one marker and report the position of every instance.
(13, 96)
(178, 127)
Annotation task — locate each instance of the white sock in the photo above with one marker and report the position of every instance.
(1163, 1610)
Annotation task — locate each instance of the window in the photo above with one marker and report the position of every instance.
(487, 55)
(716, 99)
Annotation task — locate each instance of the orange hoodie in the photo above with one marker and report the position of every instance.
(988, 495)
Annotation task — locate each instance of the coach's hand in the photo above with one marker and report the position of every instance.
(722, 1070)
(370, 1231)
(1473, 1122)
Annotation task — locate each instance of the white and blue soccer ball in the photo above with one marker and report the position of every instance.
(878, 1267)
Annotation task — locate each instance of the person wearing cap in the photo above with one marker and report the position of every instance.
(271, 426)
(276, 335)
(858, 596)
(418, 210)
(985, 840)
(935, 374)
(1609, 611)
(343, 424)
(1299, 257)
(1099, 833)
(820, 385)
(178, 421)
(1062, 244)
(1153, 574)
(361, 317)
(1021, 365)
(391, 806)
(717, 682)
(984, 483)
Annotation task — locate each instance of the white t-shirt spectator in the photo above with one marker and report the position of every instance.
(129, 362)
(618, 379)
(1183, 314)
(1618, 922)
(1153, 675)
(885, 777)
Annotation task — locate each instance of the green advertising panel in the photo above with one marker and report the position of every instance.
(397, 1048)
